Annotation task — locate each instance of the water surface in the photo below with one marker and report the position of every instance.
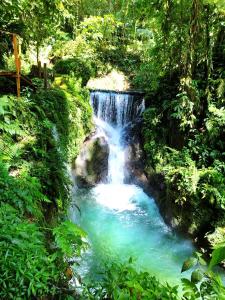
(122, 221)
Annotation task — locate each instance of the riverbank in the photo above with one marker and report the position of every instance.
(199, 220)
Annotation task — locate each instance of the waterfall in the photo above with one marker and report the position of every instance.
(113, 111)
(120, 219)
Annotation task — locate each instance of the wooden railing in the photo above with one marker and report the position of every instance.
(16, 74)
(16, 52)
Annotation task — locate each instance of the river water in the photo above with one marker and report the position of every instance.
(120, 219)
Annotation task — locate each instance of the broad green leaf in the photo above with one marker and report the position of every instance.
(189, 263)
(218, 255)
(196, 276)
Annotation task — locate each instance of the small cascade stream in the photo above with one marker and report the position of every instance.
(120, 219)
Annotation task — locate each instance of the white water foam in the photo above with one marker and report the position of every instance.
(116, 196)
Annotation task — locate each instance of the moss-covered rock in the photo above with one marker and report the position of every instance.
(91, 166)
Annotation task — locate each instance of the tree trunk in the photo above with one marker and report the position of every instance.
(193, 34)
(38, 52)
(208, 63)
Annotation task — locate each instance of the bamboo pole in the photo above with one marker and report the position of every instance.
(17, 63)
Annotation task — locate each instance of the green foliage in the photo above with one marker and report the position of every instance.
(184, 125)
(215, 123)
(75, 66)
(27, 270)
(24, 193)
(153, 129)
(70, 239)
(173, 50)
(218, 255)
(8, 121)
(147, 77)
(181, 175)
(39, 134)
(183, 110)
(78, 54)
(122, 281)
(189, 263)
(101, 42)
(204, 284)
(80, 118)
(212, 187)
(100, 29)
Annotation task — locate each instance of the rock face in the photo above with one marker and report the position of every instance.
(91, 166)
(134, 165)
(134, 155)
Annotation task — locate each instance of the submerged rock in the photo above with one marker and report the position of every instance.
(91, 166)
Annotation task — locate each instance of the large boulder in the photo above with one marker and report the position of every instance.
(91, 166)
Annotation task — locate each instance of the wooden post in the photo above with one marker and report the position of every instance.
(17, 63)
(45, 76)
(39, 69)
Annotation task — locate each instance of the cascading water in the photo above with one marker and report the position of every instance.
(112, 112)
(120, 219)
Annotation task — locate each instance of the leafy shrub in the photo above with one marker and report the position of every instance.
(70, 238)
(181, 176)
(102, 42)
(122, 281)
(79, 50)
(212, 187)
(78, 67)
(64, 119)
(8, 121)
(39, 134)
(183, 110)
(80, 118)
(204, 283)
(100, 31)
(146, 77)
(10, 64)
(27, 270)
(215, 122)
(24, 193)
(152, 131)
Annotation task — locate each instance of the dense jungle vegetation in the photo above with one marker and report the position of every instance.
(174, 51)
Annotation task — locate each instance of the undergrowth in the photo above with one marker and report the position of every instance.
(189, 154)
(39, 135)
